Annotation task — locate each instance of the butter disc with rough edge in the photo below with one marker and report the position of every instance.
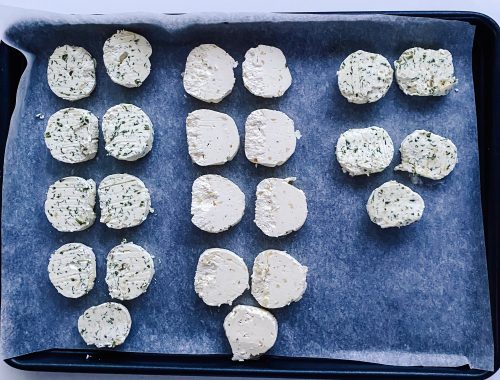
(251, 331)
(209, 73)
(216, 203)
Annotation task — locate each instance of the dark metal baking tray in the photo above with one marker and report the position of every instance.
(486, 72)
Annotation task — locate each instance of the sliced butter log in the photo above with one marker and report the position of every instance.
(265, 72)
(72, 270)
(126, 57)
(221, 277)
(425, 72)
(394, 205)
(270, 137)
(72, 135)
(105, 325)
(212, 137)
(129, 271)
(71, 72)
(124, 201)
(209, 74)
(69, 206)
(364, 77)
(216, 204)
(128, 132)
(251, 331)
(428, 155)
(277, 279)
(364, 151)
(280, 207)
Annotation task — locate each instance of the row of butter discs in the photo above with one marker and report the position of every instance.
(72, 135)
(123, 198)
(363, 77)
(129, 271)
(208, 75)
(71, 69)
(216, 205)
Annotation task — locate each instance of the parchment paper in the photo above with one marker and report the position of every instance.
(411, 296)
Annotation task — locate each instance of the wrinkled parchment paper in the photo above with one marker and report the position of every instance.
(411, 296)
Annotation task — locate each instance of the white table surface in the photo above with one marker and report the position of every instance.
(489, 7)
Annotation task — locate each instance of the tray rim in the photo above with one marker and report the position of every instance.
(38, 361)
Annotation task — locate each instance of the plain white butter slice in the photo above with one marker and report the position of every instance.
(221, 277)
(394, 205)
(270, 137)
(129, 271)
(251, 331)
(71, 72)
(277, 279)
(209, 74)
(72, 270)
(265, 72)
(126, 57)
(212, 137)
(124, 200)
(69, 206)
(216, 204)
(105, 325)
(280, 207)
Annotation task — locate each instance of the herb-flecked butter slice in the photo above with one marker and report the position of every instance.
(72, 270)
(425, 72)
(394, 205)
(427, 154)
(105, 325)
(128, 132)
(72, 135)
(364, 77)
(363, 151)
(71, 72)
(69, 206)
(126, 57)
(124, 201)
(129, 271)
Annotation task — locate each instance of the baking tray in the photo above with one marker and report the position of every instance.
(486, 58)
